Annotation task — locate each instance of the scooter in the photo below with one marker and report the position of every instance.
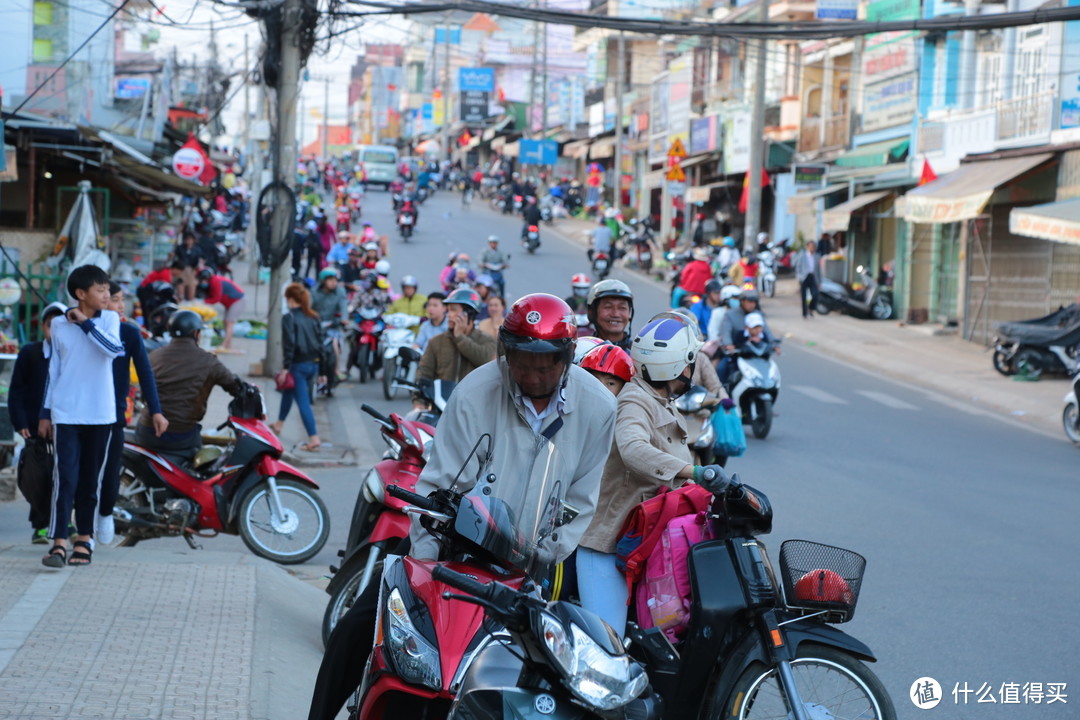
(398, 368)
(697, 410)
(363, 338)
(495, 270)
(1070, 418)
(870, 302)
(531, 239)
(243, 489)
(328, 361)
(755, 385)
(379, 522)
(1047, 344)
(601, 265)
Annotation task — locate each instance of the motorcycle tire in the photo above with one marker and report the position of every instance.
(771, 285)
(819, 672)
(761, 417)
(881, 309)
(822, 308)
(389, 370)
(1070, 418)
(1029, 363)
(348, 589)
(1002, 364)
(257, 526)
(363, 364)
(132, 497)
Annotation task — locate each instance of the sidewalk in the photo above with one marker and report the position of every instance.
(149, 633)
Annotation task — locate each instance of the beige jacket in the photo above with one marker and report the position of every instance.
(650, 449)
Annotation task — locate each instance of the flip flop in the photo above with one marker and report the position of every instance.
(308, 447)
(55, 559)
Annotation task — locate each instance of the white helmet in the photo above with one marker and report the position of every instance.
(754, 320)
(583, 345)
(382, 267)
(664, 347)
(730, 291)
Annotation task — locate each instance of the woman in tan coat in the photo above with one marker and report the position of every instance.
(650, 451)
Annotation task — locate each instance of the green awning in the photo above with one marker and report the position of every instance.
(874, 154)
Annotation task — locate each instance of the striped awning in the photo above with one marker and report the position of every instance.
(1057, 221)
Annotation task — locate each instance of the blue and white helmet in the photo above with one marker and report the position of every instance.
(664, 347)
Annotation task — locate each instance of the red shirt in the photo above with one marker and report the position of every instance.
(162, 275)
(694, 276)
(223, 290)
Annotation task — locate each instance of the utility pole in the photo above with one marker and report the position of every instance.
(284, 171)
(544, 87)
(326, 120)
(532, 80)
(247, 100)
(621, 55)
(757, 149)
(446, 94)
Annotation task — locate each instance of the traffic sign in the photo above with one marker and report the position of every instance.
(538, 152)
(676, 173)
(676, 188)
(188, 163)
(677, 150)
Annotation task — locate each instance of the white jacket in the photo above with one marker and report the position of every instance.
(482, 403)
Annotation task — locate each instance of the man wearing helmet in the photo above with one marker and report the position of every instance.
(733, 331)
(578, 301)
(185, 375)
(462, 348)
(611, 309)
(494, 261)
(530, 392)
(703, 308)
(410, 302)
(330, 302)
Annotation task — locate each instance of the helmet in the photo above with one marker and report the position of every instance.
(583, 345)
(493, 238)
(311, 225)
(371, 246)
(185, 323)
(580, 280)
(729, 241)
(750, 293)
(327, 273)
(205, 274)
(465, 297)
(539, 323)
(824, 586)
(753, 320)
(713, 285)
(485, 280)
(610, 359)
(762, 237)
(701, 253)
(730, 291)
(664, 347)
(610, 288)
(408, 281)
(383, 267)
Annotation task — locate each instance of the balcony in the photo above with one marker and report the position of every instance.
(1025, 119)
(836, 133)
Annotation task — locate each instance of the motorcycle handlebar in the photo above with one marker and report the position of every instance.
(377, 415)
(464, 583)
(413, 499)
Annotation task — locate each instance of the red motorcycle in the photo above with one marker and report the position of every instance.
(379, 521)
(244, 488)
(344, 218)
(355, 208)
(363, 337)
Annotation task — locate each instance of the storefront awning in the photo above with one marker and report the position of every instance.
(576, 149)
(602, 148)
(874, 154)
(1057, 221)
(838, 218)
(962, 194)
(510, 149)
(804, 203)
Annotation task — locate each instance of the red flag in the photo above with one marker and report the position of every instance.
(464, 139)
(928, 175)
(744, 199)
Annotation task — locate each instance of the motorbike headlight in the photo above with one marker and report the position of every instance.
(394, 452)
(428, 440)
(595, 677)
(373, 489)
(414, 658)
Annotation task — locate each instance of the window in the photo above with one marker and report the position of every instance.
(941, 74)
(988, 71)
(43, 13)
(43, 50)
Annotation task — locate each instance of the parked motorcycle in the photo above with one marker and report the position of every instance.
(754, 386)
(1070, 418)
(1047, 344)
(398, 367)
(363, 340)
(244, 488)
(871, 301)
(531, 238)
(379, 522)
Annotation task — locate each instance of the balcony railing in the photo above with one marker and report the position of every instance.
(1025, 117)
(931, 137)
(835, 136)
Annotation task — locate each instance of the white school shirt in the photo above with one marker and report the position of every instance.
(80, 387)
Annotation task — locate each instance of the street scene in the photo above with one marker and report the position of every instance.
(569, 359)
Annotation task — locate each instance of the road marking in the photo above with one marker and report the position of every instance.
(887, 400)
(819, 394)
(18, 622)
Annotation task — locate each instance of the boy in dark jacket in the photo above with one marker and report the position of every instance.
(28, 379)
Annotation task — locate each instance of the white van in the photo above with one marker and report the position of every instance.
(379, 162)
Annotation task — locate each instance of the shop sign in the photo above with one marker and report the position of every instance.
(188, 163)
(810, 175)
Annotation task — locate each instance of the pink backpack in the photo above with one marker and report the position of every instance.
(663, 593)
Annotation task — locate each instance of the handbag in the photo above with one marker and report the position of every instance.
(284, 381)
(730, 437)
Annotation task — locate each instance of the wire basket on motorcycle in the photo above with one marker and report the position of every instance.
(819, 577)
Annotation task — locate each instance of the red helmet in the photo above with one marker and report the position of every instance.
(539, 323)
(581, 280)
(610, 359)
(823, 586)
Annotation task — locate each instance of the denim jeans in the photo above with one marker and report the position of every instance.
(304, 379)
(602, 587)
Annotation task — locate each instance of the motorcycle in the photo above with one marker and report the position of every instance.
(518, 203)
(601, 265)
(531, 239)
(766, 274)
(406, 223)
(870, 302)
(328, 361)
(379, 522)
(549, 209)
(697, 410)
(754, 386)
(399, 360)
(422, 194)
(243, 489)
(763, 647)
(396, 200)
(1047, 344)
(356, 209)
(363, 337)
(1070, 418)
(641, 238)
(495, 270)
(344, 219)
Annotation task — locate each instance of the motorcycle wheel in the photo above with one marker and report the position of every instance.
(881, 309)
(132, 497)
(1030, 363)
(1069, 418)
(823, 308)
(293, 539)
(389, 371)
(771, 284)
(363, 364)
(1002, 364)
(831, 684)
(761, 417)
(342, 599)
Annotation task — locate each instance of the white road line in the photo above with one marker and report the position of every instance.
(887, 400)
(819, 394)
(18, 622)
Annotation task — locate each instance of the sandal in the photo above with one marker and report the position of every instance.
(55, 559)
(80, 555)
(308, 447)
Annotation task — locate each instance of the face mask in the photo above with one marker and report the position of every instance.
(733, 303)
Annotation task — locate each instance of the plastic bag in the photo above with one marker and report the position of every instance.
(730, 437)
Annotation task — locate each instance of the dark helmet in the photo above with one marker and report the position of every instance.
(185, 323)
(205, 274)
(466, 298)
(713, 285)
(539, 323)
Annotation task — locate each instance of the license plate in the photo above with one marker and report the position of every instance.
(407, 220)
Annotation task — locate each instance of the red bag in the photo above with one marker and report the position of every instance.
(647, 521)
(284, 381)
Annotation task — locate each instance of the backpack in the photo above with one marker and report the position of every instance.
(35, 473)
(662, 597)
(648, 520)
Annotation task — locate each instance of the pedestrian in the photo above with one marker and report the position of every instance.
(462, 348)
(436, 322)
(327, 238)
(80, 405)
(214, 289)
(302, 341)
(806, 272)
(134, 353)
(190, 259)
(26, 393)
(496, 308)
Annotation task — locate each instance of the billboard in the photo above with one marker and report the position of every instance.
(476, 79)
